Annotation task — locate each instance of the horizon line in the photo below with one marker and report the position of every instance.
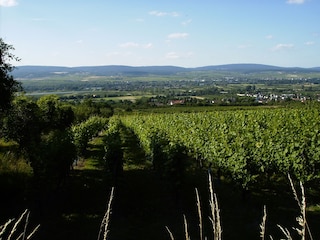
(121, 65)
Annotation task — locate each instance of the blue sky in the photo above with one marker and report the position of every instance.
(187, 33)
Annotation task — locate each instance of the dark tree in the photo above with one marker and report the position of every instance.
(54, 114)
(8, 86)
(23, 123)
(42, 132)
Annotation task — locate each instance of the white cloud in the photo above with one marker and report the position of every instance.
(176, 55)
(244, 46)
(282, 46)
(162, 14)
(135, 45)
(148, 45)
(296, 1)
(129, 45)
(177, 35)
(8, 3)
(172, 55)
(269, 36)
(186, 22)
(309, 43)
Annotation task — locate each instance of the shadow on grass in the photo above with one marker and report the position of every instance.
(144, 206)
(76, 211)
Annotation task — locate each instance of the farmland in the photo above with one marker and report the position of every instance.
(224, 82)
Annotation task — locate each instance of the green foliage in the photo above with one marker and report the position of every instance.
(83, 132)
(23, 123)
(41, 131)
(169, 159)
(89, 108)
(8, 86)
(113, 150)
(54, 114)
(244, 144)
(10, 163)
(57, 153)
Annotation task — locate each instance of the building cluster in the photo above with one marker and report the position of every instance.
(261, 98)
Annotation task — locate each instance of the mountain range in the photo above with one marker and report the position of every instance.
(112, 70)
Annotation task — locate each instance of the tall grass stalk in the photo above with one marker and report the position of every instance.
(286, 232)
(302, 220)
(215, 212)
(263, 223)
(200, 215)
(16, 233)
(186, 228)
(170, 233)
(214, 218)
(104, 227)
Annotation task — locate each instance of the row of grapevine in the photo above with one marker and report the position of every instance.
(83, 132)
(243, 144)
(113, 147)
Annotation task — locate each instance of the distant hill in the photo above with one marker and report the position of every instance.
(111, 70)
(241, 67)
(249, 68)
(114, 70)
(316, 68)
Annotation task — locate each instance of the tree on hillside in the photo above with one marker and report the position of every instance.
(22, 123)
(42, 131)
(54, 114)
(8, 86)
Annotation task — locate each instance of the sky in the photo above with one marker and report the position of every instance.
(186, 33)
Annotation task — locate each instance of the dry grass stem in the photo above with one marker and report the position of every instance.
(106, 218)
(33, 232)
(215, 212)
(170, 233)
(263, 223)
(25, 226)
(15, 228)
(200, 215)
(4, 227)
(294, 191)
(285, 232)
(186, 228)
(218, 222)
(302, 220)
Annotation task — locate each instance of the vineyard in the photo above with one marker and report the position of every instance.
(155, 160)
(251, 150)
(244, 146)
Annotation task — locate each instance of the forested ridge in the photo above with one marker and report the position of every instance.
(43, 71)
